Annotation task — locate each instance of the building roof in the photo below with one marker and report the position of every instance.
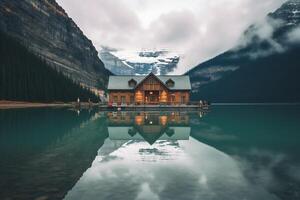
(121, 82)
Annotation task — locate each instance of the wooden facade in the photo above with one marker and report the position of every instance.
(151, 90)
(144, 118)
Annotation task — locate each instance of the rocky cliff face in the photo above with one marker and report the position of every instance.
(45, 28)
(114, 64)
(289, 13)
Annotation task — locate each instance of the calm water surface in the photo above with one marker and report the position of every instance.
(230, 152)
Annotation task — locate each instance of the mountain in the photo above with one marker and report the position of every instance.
(47, 31)
(124, 62)
(26, 77)
(115, 64)
(264, 67)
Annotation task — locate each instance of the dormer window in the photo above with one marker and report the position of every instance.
(170, 83)
(132, 83)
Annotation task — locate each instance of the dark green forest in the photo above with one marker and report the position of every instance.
(26, 77)
(275, 78)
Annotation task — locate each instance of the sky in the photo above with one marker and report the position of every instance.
(196, 29)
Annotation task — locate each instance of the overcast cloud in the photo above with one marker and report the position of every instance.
(197, 29)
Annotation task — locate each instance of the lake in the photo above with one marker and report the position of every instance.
(229, 152)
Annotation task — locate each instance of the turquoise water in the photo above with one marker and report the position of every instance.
(230, 152)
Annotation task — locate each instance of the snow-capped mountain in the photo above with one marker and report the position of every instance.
(264, 67)
(126, 62)
(289, 13)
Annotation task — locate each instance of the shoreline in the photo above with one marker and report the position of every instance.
(23, 104)
(4, 104)
(257, 104)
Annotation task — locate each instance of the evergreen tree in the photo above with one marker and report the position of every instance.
(26, 77)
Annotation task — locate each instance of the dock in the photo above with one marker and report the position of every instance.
(153, 107)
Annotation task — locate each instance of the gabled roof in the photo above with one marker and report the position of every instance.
(149, 75)
(132, 83)
(121, 82)
(170, 83)
(170, 80)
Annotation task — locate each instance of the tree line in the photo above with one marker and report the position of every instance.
(26, 77)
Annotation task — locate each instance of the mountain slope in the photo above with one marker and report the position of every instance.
(45, 28)
(114, 64)
(263, 68)
(25, 77)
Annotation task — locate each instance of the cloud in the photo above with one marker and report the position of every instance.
(260, 37)
(108, 23)
(197, 29)
(261, 33)
(174, 28)
(293, 37)
(189, 170)
(262, 30)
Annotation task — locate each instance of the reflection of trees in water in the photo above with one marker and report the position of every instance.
(68, 145)
(36, 127)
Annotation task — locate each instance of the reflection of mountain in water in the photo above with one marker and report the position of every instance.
(127, 167)
(45, 151)
(186, 169)
(148, 126)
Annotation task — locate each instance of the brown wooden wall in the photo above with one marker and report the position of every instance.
(131, 97)
(151, 83)
(176, 97)
(118, 95)
(151, 90)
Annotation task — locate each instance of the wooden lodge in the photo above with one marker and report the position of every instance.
(148, 126)
(149, 90)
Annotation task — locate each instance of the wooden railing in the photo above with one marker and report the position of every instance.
(193, 103)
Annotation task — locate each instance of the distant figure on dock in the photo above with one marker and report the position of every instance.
(78, 103)
(90, 103)
(200, 103)
(204, 104)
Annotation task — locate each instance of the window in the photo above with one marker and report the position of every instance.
(173, 98)
(170, 83)
(123, 99)
(151, 81)
(123, 117)
(182, 99)
(139, 97)
(132, 83)
(131, 99)
(115, 99)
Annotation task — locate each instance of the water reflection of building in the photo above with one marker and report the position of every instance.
(149, 126)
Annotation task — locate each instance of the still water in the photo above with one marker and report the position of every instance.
(230, 152)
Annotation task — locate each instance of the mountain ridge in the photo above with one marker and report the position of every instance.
(128, 62)
(260, 45)
(46, 29)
